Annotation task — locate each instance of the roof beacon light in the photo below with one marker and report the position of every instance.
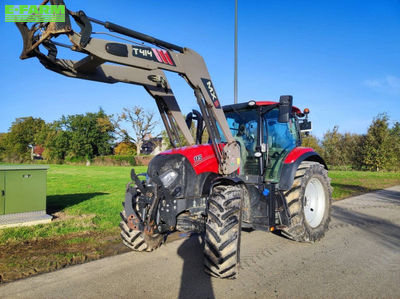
(306, 111)
(251, 103)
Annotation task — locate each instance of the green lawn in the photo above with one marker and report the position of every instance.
(348, 183)
(86, 202)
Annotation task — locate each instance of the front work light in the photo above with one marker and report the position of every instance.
(168, 177)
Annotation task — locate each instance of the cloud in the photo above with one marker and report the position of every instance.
(388, 84)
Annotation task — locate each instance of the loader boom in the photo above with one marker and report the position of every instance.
(140, 65)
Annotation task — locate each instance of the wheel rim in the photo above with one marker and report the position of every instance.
(314, 202)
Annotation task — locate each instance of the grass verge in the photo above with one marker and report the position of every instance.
(350, 183)
(85, 203)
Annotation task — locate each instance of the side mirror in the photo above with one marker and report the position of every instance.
(285, 108)
(196, 115)
(305, 126)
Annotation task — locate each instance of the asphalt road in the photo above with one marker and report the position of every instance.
(359, 257)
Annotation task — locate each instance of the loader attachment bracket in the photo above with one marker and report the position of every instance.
(134, 222)
(85, 25)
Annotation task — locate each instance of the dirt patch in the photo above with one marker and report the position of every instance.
(62, 216)
(23, 259)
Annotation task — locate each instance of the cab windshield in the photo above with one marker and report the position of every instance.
(243, 125)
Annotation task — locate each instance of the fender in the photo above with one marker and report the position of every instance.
(226, 181)
(292, 162)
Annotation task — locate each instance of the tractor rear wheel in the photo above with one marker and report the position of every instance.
(309, 202)
(223, 225)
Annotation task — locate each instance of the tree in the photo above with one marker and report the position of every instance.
(313, 142)
(351, 149)
(21, 138)
(182, 141)
(142, 124)
(395, 145)
(342, 149)
(3, 145)
(204, 138)
(89, 135)
(377, 149)
(165, 139)
(395, 130)
(331, 144)
(56, 142)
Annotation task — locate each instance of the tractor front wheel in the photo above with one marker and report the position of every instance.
(309, 202)
(134, 238)
(137, 240)
(223, 225)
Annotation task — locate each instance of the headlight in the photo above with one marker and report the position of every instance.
(168, 177)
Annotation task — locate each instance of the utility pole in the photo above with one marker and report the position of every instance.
(235, 84)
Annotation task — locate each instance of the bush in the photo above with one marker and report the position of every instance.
(125, 149)
(143, 160)
(124, 159)
(342, 167)
(75, 160)
(117, 160)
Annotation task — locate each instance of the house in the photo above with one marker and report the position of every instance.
(36, 152)
(152, 146)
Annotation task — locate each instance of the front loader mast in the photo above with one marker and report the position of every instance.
(138, 65)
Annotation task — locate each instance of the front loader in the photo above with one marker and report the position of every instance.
(252, 173)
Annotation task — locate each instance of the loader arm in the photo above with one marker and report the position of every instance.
(140, 65)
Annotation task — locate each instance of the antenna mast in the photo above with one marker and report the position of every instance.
(235, 88)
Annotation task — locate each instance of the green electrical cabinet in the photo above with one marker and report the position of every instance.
(23, 194)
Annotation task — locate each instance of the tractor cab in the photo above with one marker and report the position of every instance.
(265, 136)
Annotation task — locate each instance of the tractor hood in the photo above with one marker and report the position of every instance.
(201, 157)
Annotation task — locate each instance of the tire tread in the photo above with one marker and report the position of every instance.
(298, 229)
(222, 238)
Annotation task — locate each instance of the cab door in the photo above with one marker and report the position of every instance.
(280, 138)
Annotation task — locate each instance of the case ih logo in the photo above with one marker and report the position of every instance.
(153, 54)
(211, 92)
(198, 158)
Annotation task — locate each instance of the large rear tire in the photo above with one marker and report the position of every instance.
(223, 225)
(309, 202)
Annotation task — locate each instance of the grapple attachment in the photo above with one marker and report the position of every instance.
(39, 33)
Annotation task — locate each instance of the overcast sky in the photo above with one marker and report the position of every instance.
(341, 59)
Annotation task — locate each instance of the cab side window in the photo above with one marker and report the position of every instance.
(243, 126)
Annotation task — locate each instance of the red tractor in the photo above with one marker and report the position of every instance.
(252, 173)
